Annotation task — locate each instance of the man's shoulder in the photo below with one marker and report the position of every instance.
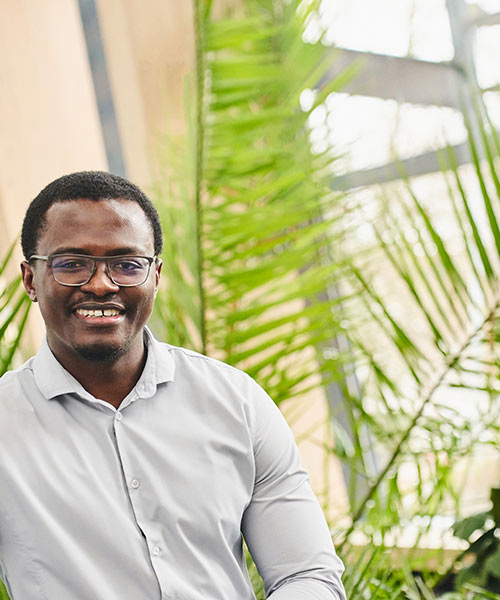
(187, 358)
(179, 351)
(11, 379)
(14, 374)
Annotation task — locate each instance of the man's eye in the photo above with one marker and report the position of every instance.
(127, 265)
(68, 264)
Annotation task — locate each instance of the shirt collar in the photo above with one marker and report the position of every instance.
(53, 380)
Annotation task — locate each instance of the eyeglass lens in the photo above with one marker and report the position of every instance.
(123, 270)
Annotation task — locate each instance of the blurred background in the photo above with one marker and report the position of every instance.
(327, 173)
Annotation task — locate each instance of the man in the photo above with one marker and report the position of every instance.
(129, 469)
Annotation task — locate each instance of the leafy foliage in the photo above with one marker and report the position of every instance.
(14, 309)
(430, 337)
(248, 268)
(267, 269)
(481, 533)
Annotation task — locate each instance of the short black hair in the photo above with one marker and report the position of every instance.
(88, 185)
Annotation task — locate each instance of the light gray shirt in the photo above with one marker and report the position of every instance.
(149, 501)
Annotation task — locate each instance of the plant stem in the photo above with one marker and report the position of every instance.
(200, 127)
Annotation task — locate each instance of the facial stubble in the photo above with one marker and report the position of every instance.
(102, 353)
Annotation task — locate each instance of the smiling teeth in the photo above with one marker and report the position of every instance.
(107, 312)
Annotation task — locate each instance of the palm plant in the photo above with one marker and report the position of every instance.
(430, 347)
(263, 269)
(456, 296)
(14, 309)
(248, 263)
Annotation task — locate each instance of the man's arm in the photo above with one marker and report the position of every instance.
(284, 526)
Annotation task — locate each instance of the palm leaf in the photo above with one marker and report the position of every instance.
(14, 309)
(455, 305)
(263, 270)
(251, 235)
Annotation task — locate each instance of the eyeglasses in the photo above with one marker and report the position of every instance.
(78, 269)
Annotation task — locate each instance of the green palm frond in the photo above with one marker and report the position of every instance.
(14, 310)
(431, 332)
(264, 270)
(248, 265)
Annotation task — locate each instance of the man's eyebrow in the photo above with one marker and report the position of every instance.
(114, 252)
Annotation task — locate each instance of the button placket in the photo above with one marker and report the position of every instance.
(134, 485)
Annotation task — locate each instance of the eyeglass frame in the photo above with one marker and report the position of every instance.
(50, 257)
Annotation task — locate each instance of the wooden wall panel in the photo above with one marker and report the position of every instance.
(149, 52)
(48, 117)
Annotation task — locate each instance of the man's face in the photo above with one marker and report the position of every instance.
(97, 228)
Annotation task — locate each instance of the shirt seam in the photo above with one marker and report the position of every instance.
(193, 354)
(11, 376)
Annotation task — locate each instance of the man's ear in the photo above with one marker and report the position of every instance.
(28, 280)
(158, 267)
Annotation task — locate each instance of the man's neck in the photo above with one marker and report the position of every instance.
(108, 381)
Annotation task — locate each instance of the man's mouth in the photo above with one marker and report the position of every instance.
(100, 315)
(97, 312)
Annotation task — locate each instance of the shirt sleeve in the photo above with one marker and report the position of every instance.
(284, 526)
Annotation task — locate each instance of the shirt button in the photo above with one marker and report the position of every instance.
(135, 483)
(119, 416)
(156, 550)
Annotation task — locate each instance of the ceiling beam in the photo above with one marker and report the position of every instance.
(401, 79)
(486, 20)
(423, 164)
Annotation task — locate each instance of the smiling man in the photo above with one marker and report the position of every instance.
(129, 468)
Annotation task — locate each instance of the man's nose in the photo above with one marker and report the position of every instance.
(100, 283)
